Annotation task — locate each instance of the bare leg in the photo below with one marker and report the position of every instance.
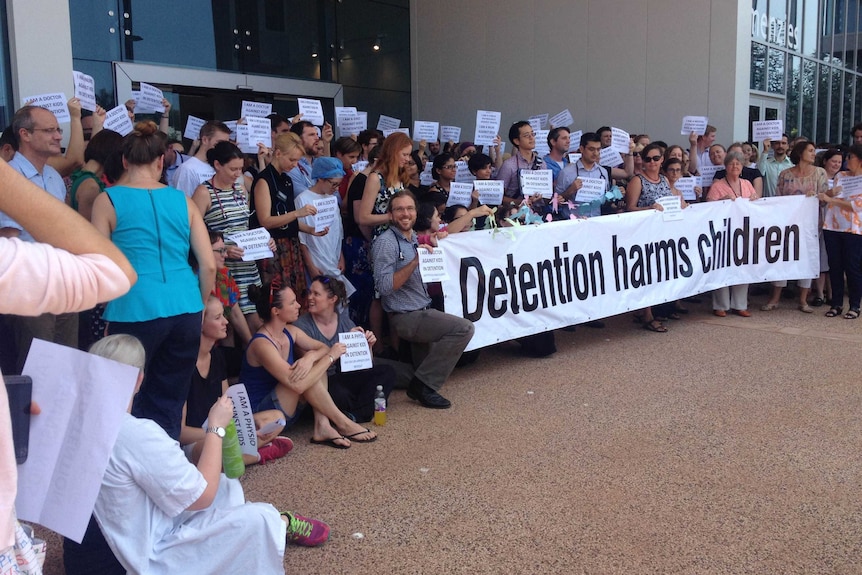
(328, 419)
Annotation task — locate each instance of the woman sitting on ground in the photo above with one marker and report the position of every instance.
(149, 486)
(326, 318)
(209, 382)
(276, 378)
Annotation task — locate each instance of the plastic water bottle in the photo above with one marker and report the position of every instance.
(379, 407)
(231, 453)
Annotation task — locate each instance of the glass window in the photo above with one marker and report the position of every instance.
(849, 95)
(96, 30)
(835, 81)
(808, 27)
(809, 94)
(823, 102)
(7, 106)
(759, 21)
(794, 100)
(758, 67)
(775, 74)
(778, 22)
(154, 33)
(795, 12)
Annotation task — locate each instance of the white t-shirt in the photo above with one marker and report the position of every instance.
(325, 250)
(147, 486)
(191, 174)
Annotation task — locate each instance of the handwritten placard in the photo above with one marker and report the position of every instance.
(425, 130)
(55, 103)
(460, 194)
(85, 90)
(537, 182)
(592, 189)
(255, 244)
(256, 109)
(117, 119)
(487, 127)
(358, 354)
(696, 124)
(767, 129)
(450, 134)
(431, 266)
(193, 127)
(490, 191)
(562, 120)
(311, 110)
(327, 212)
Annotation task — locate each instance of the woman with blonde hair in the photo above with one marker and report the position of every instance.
(272, 206)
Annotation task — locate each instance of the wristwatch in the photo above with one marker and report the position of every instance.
(217, 430)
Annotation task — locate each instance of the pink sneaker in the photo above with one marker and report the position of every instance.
(305, 531)
(279, 447)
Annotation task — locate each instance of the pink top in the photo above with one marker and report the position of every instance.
(721, 190)
(35, 279)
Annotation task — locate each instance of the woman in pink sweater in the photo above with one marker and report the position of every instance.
(73, 269)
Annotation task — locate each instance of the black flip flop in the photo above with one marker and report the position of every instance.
(352, 437)
(330, 442)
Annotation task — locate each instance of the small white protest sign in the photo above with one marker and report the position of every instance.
(592, 189)
(542, 147)
(311, 110)
(151, 98)
(359, 166)
(707, 174)
(259, 132)
(537, 182)
(450, 134)
(574, 157)
(575, 140)
(490, 191)
(388, 123)
(117, 119)
(243, 419)
(425, 130)
(772, 129)
(256, 109)
(672, 208)
(696, 124)
(562, 120)
(405, 131)
(255, 244)
(610, 157)
(327, 211)
(620, 140)
(685, 186)
(487, 127)
(85, 90)
(462, 172)
(460, 194)
(193, 127)
(358, 354)
(432, 267)
(55, 103)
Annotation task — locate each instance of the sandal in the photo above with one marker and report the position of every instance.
(769, 307)
(818, 301)
(833, 312)
(655, 326)
(853, 313)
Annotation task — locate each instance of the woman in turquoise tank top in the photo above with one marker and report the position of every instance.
(156, 226)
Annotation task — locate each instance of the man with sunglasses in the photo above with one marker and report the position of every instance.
(39, 136)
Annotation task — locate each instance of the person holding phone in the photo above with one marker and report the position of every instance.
(69, 268)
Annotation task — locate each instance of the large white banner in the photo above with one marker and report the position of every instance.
(525, 280)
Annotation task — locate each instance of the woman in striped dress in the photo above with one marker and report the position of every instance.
(223, 203)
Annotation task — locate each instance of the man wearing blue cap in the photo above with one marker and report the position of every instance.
(321, 250)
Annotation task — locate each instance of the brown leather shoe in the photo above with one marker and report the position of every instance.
(742, 312)
(719, 313)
